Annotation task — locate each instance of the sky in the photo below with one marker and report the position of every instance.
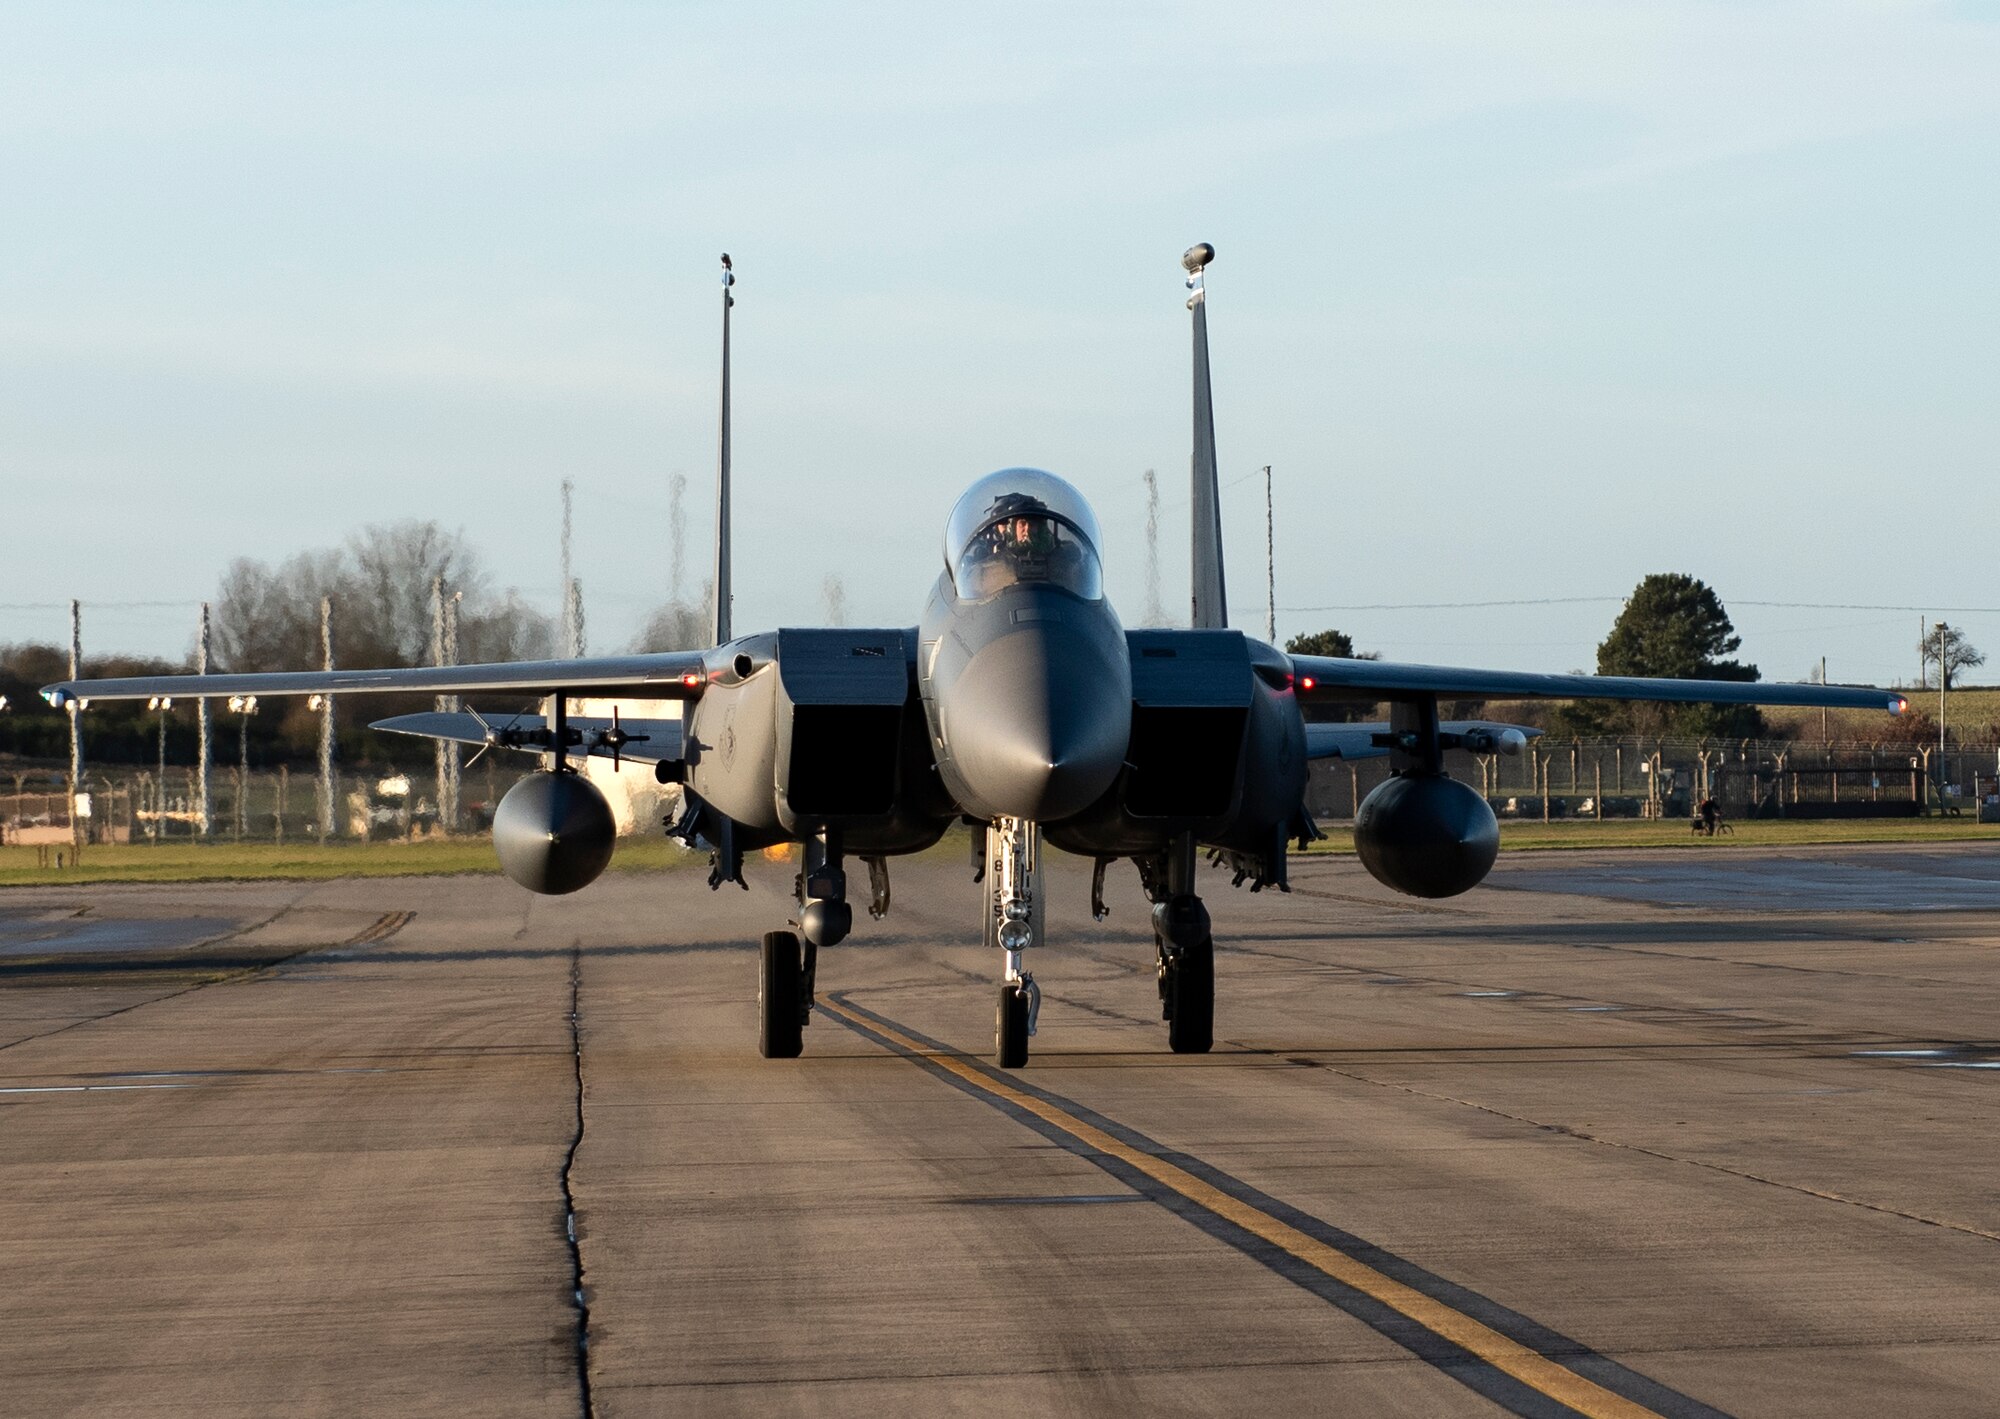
(1519, 301)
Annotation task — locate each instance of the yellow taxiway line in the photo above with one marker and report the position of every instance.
(1510, 1357)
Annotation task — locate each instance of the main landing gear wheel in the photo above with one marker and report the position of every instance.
(780, 983)
(1010, 1027)
(1190, 990)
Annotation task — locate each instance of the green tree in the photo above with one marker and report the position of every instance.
(1948, 644)
(1673, 626)
(1335, 643)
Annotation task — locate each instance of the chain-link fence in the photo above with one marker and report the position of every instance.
(1552, 778)
(1644, 777)
(118, 804)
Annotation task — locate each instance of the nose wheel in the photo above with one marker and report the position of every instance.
(780, 997)
(1010, 1026)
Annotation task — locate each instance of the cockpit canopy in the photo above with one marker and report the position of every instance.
(1022, 525)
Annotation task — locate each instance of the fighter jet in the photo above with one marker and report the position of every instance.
(1018, 705)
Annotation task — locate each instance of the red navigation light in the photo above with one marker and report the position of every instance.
(691, 680)
(1899, 705)
(1306, 682)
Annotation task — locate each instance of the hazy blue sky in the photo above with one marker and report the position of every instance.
(1521, 300)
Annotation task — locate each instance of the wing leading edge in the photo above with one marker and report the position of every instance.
(666, 676)
(1327, 678)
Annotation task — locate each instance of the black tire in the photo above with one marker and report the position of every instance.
(1010, 1028)
(778, 994)
(1191, 999)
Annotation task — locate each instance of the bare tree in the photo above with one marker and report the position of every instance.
(675, 625)
(267, 617)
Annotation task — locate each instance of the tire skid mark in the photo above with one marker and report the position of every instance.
(381, 929)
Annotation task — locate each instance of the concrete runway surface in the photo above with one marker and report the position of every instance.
(1670, 1133)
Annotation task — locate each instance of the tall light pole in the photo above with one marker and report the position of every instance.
(324, 704)
(719, 623)
(242, 706)
(1944, 676)
(75, 725)
(444, 651)
(1270, 566)
(204, 799)
(161, 703)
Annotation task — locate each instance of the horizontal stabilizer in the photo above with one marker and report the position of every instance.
(644, 741)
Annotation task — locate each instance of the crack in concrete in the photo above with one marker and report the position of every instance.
(578, 1296)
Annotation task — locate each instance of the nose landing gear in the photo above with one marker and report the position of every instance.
(1014, 917)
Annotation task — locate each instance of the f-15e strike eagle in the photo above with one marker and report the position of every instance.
(1018, 705)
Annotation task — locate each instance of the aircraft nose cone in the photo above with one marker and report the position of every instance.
(1038, 729)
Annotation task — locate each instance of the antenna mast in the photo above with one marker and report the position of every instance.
(1210, 605)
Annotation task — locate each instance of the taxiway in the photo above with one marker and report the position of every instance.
(1668, 1133)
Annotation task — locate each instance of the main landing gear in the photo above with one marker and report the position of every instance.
(789, 967)
(1185, 949)
(1013, 922)
(782, 1003)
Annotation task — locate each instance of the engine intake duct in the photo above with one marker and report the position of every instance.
(842, 696)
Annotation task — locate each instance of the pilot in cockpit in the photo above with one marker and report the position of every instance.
(1025, 545)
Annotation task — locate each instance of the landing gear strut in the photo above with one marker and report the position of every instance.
(1014, 915)
(1186, 952)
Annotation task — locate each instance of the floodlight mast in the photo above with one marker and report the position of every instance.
(719, 627)
(75, 723)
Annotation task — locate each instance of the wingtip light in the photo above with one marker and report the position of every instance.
(1899, 705)
(1306, 682)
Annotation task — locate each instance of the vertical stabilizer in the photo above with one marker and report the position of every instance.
(719, 626)
(1209, 602)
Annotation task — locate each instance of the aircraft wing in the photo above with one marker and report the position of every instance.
(1358, 741)
(1328, 678)
(668, 675)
